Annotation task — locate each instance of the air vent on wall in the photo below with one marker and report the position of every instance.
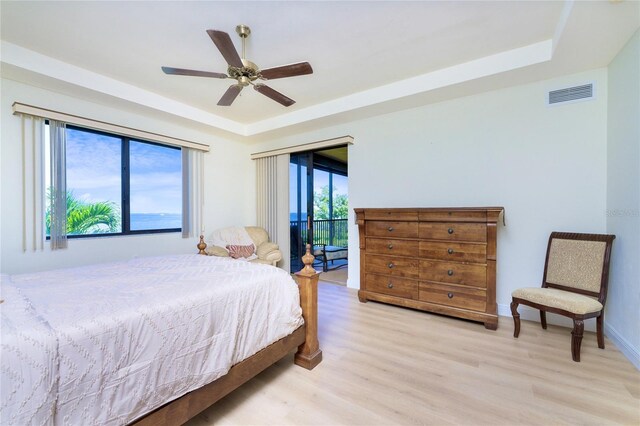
(583, 92)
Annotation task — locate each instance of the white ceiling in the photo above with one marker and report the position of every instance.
(369, 57)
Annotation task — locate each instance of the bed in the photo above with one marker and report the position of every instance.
(149, 341)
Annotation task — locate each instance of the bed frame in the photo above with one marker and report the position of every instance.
(305, 338)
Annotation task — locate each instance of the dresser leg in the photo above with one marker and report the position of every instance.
(362, 297)
(493, 325)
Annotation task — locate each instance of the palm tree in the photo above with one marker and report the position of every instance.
(88, 218)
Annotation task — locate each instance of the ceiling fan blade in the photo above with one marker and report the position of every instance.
(230, 95)
(274, 94)
(225, 46)
(292, 70)
(194, 73)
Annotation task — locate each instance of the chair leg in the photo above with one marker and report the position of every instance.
(516, 319)
(599, 329)
(576, 339)
(543, 319)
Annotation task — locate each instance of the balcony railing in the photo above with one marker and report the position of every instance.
(331, 232)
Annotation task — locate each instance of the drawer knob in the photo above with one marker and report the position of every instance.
(391, 265)
(450, 295)
(390, 229)
(450, 251)
(450, 272)
(390, 246)
(450, 230)
(390, 285)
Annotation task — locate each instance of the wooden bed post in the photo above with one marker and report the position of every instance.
(309, 354)
(202, 245)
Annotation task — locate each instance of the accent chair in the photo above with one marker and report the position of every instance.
(574, 284)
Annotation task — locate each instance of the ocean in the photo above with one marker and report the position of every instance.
(145, 221)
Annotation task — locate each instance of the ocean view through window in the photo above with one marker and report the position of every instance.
(155, 186)
(119, 186)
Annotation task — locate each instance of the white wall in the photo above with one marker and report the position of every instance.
(229, 187)
(545, 165)
(623, 199)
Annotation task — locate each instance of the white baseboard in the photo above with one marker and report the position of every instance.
(530, 314)
(632, 354)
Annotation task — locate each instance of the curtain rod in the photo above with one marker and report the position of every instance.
(19, 108)
(327, 143)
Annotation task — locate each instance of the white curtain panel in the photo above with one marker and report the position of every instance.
(33, 183)
(272, 185)
(58, 196)
(192, 192)
(283, 235)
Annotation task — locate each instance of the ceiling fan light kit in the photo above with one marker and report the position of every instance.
(244, 71)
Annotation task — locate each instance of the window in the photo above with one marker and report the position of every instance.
(118, 185)
(155, 186)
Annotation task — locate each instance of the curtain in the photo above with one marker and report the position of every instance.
(192, 192)
(58, 190)
(267, 193)
(33, 183)
(272, 185)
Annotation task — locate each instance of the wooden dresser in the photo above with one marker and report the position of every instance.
(440, 260)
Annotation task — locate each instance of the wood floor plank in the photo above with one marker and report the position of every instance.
(385, 365)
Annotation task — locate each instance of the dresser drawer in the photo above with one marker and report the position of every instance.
(393, 286)
(397, 215)
(458, 252)
(391, 229)
(440, 259)
(391, 265)
(454, 273)
(452, 231)
(392, 247)
(457, 296)
(453, 215)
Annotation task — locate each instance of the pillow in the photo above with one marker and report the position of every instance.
(237, 251)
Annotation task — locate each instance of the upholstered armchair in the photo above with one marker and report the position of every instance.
(574, 284)
(265, 251)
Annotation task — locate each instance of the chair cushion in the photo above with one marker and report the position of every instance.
(565, 300)
(217, 251)
(334, 252)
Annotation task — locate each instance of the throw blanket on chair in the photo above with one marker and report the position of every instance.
(235, 235)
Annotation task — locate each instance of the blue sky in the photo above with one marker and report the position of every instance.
(156, 179)
(93, 172)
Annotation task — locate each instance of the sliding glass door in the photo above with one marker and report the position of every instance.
(301, 206)
(318, 203)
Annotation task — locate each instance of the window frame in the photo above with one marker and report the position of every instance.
(125, 182)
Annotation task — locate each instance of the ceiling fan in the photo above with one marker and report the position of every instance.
(244, 71)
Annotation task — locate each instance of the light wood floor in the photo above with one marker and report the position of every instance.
(388, 365)
(336, 275)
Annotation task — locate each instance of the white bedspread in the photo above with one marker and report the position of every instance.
(28, 362)
(135, 335)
